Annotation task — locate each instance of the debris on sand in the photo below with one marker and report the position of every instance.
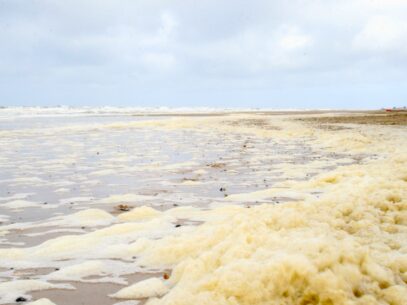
(123, 207)
(216, 165)
(21, 299)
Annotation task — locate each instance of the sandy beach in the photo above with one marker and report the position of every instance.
(248, 208)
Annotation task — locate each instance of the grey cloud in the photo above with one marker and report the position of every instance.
(136, 46)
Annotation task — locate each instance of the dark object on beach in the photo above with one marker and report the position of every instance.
(21, 299)
(123, 207)
(373, 118)
(222, 189)
(177, 226)
(166, 276)
(216, 165)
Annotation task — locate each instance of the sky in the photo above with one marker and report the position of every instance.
(204, 53)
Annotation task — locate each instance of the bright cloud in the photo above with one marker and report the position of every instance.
(382, 33)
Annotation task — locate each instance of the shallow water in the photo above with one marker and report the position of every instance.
(68, 169)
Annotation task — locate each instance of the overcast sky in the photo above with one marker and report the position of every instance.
(215, 53)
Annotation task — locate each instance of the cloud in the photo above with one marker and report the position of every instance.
(293, 40)
(159, 61)
(382, 33)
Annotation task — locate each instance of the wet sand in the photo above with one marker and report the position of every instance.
(91, 293)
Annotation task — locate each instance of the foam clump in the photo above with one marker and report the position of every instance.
(128, 302)
(88, 217)
(42, 301)
(152, 287)
(89, 245)
(94, 271)
(78, 271)
(141, 213)
(19, 205)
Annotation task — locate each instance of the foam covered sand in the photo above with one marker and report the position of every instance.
(341, 240)
(348, 247)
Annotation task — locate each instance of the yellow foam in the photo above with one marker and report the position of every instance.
(152, 287)
(139, 214)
